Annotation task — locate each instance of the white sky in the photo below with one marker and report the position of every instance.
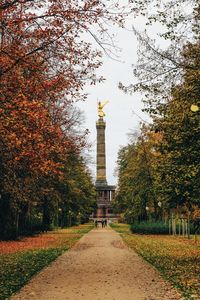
(120, 118)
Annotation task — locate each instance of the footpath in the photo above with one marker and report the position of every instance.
(99, 267)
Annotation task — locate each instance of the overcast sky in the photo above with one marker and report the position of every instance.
(120, 117)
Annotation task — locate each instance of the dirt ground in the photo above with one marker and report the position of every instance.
(98, 267)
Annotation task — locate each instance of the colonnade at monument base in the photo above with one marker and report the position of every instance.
(105, 196)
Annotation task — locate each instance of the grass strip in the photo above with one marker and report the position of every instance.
(16, 269)
(177, 259)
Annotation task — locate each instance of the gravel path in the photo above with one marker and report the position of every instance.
(98, 267)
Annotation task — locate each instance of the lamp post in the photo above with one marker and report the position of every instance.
(70, 216)
(79, 217)
(147, 209)
(160, 209)
(59, 217)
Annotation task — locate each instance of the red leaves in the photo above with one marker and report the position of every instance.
(41, 241)
(52, 239)
(44, 65)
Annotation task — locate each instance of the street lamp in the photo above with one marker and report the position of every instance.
(160, 210)
(194, 107)
(147, 210)
(70, 218)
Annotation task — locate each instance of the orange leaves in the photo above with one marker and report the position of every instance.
(41, 241)
(196, 213)
(54, 239)
(45, 62)
(28, 132)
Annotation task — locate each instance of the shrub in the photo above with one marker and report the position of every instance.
(150, 228)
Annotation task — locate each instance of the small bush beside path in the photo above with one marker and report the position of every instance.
(20, 260)
(177, 258)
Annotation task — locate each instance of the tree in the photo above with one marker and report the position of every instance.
(45, 61)
(136, 172)
(171, 147)
(169, 79)
(77, 192)
(160, 68)
(180, 144)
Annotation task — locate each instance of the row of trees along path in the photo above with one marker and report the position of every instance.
(45, 61)
(100, 266)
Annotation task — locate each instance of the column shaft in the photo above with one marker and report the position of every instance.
(101, 152)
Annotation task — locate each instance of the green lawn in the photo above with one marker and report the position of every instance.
(18, 264)
(177, 258)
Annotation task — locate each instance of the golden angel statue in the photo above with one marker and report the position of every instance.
(101, 114)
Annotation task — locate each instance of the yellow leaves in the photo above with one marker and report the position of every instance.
(196, 213)
(178, 258)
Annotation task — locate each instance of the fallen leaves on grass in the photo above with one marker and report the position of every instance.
(20, 260)
(178, 259)
(56, 238)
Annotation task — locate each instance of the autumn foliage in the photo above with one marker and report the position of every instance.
(58, 238)
(20, 260)
(176, 258)
(45, 61)
(158, 170)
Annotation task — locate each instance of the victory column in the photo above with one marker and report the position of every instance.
(105, 192)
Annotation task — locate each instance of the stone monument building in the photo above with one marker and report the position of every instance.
(105, 192)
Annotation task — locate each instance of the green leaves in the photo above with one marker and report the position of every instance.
(163, 163)
(136, 178)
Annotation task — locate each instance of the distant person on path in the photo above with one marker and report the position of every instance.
(96, 223)
(102, 223)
